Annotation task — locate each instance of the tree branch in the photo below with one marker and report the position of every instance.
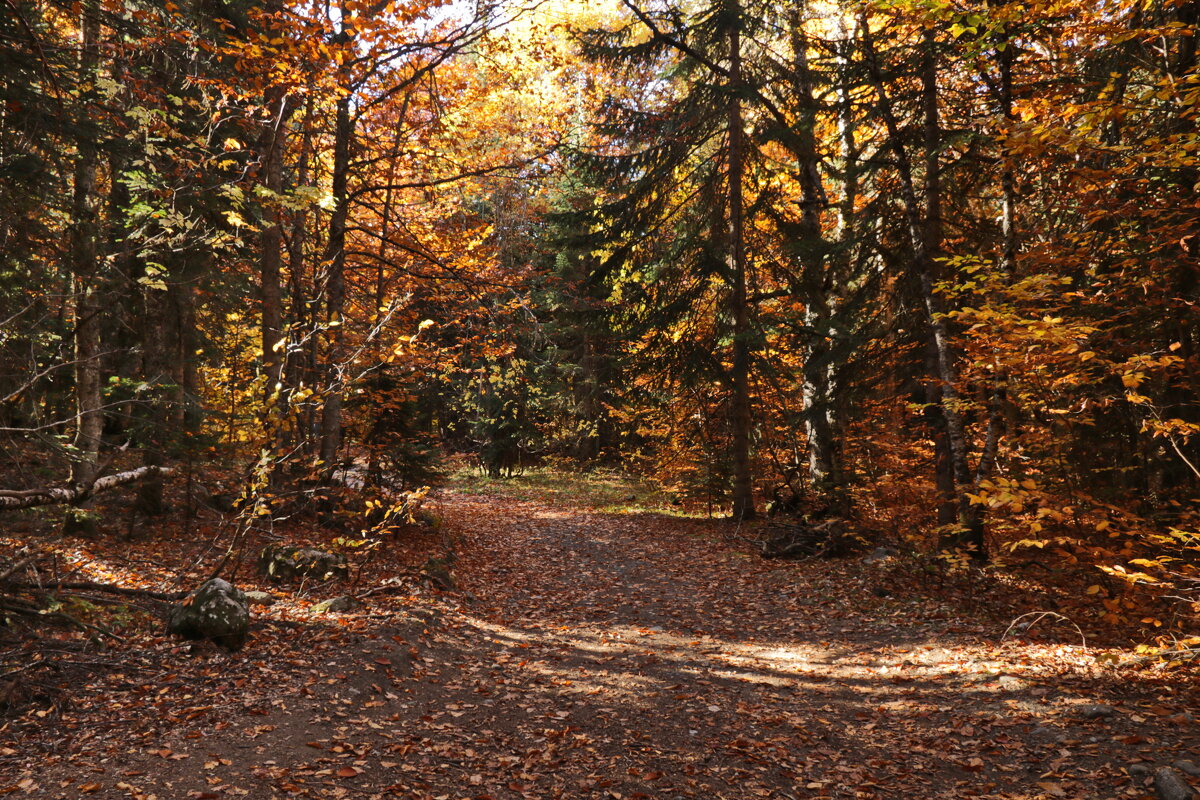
(28, 498)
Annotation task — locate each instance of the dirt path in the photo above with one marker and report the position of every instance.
(630, 656)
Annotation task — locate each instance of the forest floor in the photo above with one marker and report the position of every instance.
(597, 651)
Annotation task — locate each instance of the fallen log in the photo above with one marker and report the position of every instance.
(29, 498)
(798, 540)
(106, 588)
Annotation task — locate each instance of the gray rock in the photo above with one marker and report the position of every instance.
(1096, 711)
(1139, 772)
(337, 605)
(1011, 682)
(217, 610)
(437, 572)
(1188, 767)
(1048, 733)
(1170, 785)
(878, 555)
(260, 599)
(284, 562)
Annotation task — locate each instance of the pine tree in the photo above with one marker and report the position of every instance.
(677, 232)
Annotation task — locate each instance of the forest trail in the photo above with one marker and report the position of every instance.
(620, 656)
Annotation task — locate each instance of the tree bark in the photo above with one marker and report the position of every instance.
(156, 372)
(740, 403)
(85, 265)
(335, 278)
(943, 467)
(969, 537)
(271, 146)
(817, 384)
(300, 365)
(76, 494)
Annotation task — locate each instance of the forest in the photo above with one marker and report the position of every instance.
(428, 323)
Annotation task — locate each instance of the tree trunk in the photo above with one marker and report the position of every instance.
(156, 372)
(969, 536)
(271, 147)
(1008, 265)
(824, 469)
(944, 468)
(85, 264)
(740, 404)
(335, 284)
(299, 366)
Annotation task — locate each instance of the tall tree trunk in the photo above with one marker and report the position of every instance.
(824, 469)
(271, 146)
(1008, 261)
(335, 282)
(1008, 181)
(85, 264)
(740, 404)
(969, 537)
(156, 372)
(275, 399)
(943, 467)
(299, 365)
(187, 411)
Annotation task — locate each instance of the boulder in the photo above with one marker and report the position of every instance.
(1096, 711)
(260, 598)
(1170, 785)
(337, 605)
(879, 555)
(217, 611)
(284, 562)
(1139, 772)
(437, 572)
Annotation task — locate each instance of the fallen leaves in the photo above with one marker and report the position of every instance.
(649, 667)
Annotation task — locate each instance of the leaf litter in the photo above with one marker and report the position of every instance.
(608, 655)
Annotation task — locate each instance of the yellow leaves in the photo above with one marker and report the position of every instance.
(1094, 589)
(1054, 514)
(1040, 544)
(1011, 493)
(1133, 380)
(1133, 578)
(236, 220)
